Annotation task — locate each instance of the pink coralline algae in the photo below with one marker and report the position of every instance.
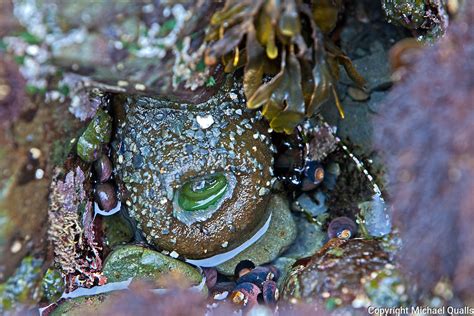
(426, 134)
(76, 251)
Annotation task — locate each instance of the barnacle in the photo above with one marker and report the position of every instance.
(290, 67)
(428, 19)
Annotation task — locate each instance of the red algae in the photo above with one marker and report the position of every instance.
(425, 134)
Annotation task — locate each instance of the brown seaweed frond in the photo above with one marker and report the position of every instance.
(290, 64)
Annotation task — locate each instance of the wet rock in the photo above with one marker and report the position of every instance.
(357, 94)
(117, 230)
(376, 99)
(359, 36)
(375, 69)
(309, 240)
(17, 221)
(23, 288)
(313, 203)
(376, 217)
(109, 48)
(12, 90)
(338, 273)
(198, 203)
(332, 171)
(386, 288)
(139, 299)
(141, 263)
(143, 300)
(374, 66)
(82, 305)
(27, 155)
(8, 22)
(52, 285)
(280, 234)
(355, 127)
(284, 265)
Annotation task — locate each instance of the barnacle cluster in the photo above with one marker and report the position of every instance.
(427, 18)
(290, 65)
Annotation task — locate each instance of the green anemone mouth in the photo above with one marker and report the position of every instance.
(198, 199)
(202, 193)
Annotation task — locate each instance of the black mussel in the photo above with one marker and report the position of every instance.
(289, 162)
(257, 276)
(97, 133)
(103, 168)
(270, 292)
(243, 267)
(342, 227)
(245, 294)
(105, 196)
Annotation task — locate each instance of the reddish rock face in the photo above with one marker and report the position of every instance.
(12, 91)
(426, 133)
(337, 271)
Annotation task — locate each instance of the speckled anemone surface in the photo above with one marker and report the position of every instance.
(160, 145)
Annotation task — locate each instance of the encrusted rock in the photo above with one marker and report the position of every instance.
(338, 272)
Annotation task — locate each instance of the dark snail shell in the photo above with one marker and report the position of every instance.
(313, 175)
(105, 196)
(103, 168)
(270, 292)
(245, 295)
(211, 277)
(342, 227)
(257, 276)
(243, 267)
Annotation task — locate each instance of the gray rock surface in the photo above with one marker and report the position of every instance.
(309, 240)
(281, 233)
(138, 262)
